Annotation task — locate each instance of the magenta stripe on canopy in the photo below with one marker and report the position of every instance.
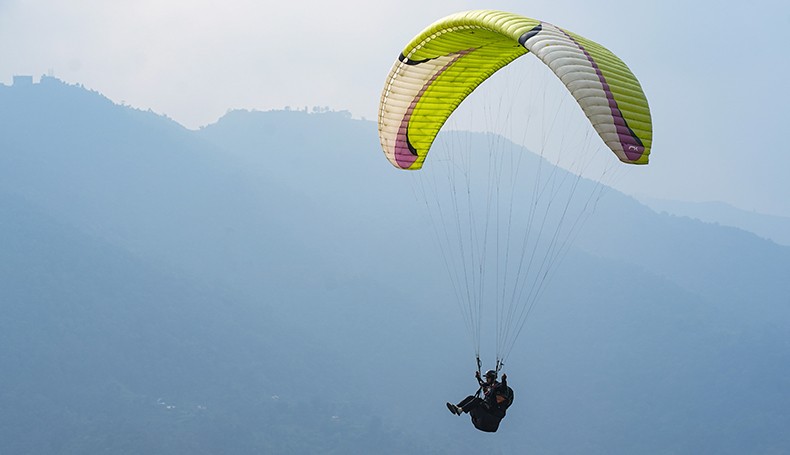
(405, 155)
(631, 144)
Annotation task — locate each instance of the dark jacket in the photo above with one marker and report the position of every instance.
(490, 393)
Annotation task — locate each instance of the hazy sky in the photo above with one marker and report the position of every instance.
(714, 72)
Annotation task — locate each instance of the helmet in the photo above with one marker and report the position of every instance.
(491, 374)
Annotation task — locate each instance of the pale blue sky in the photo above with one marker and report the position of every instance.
(713, 71)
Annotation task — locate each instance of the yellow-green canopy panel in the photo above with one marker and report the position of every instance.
(448, 60)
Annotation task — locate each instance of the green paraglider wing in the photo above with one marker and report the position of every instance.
(448, 60)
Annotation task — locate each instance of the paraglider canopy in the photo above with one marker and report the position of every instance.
(448, 60)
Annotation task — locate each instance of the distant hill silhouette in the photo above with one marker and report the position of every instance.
(247, 288)
(773, 227)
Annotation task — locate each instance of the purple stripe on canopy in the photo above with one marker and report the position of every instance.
(405, 153)
(632, 145)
